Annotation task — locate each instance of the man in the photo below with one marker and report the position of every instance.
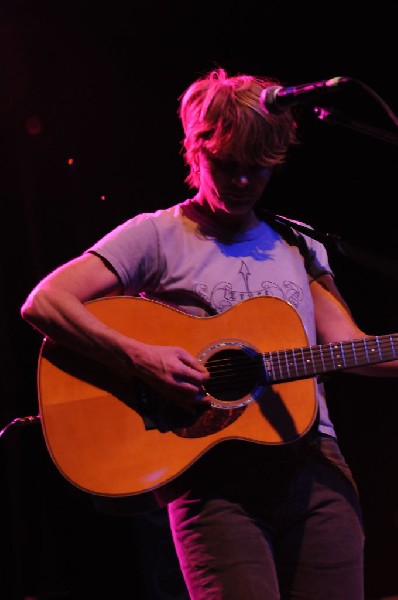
(251, 519)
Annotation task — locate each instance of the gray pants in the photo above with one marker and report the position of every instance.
(288, 528)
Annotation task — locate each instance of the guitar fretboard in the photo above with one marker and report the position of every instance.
(299, 363)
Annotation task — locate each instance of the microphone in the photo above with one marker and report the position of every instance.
(276, 99)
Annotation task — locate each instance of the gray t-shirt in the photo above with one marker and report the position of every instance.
(177, 257)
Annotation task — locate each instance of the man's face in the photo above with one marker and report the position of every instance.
(229, 185)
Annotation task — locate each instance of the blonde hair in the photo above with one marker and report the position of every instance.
(223, 114)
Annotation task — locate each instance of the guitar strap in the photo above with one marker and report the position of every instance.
(289, 230)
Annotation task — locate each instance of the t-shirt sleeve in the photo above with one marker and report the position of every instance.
(132, 249)
(317, 262)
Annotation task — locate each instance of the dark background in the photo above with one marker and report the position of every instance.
(100, 84)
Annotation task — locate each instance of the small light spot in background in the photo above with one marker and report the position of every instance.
(33, 125)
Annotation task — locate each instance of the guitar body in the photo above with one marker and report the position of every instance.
(113, 438)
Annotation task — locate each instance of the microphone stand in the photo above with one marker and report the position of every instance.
(335, 118)
(384, 265)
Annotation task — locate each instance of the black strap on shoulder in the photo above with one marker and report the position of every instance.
(286, 229)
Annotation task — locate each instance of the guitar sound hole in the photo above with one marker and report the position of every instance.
(234, 374)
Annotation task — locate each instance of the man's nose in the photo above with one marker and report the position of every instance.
(241, 180)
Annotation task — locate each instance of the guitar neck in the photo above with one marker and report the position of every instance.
(310, 361)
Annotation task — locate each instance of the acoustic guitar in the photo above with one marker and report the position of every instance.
(117, 438)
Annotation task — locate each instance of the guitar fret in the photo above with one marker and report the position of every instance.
(288, 363)
(292, 370)
(312, 357)
(342, 356)
(294, 362)
(351, 356)
(371, 350)
(378, 347)
(281, 374)
(322, 358)
(352, 345)
(366, 350)
(273, 371)
(308, 361)
(339, 356)
(392, 346)
(303, 360)
(331, 353)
